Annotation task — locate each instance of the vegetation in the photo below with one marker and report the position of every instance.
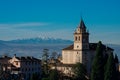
(45, 60)
(104, 67)
(98, 65)
(110, 71)
(79, 71)
(46, 73)
(34, 77)
(45, 78)
(116, 59)
(53, 75)
(53, 55)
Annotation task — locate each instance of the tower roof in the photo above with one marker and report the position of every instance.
(82, 25)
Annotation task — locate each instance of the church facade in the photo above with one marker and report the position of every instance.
(80, 51)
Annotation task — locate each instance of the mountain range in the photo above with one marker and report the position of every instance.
(38, 41)
(34, 46)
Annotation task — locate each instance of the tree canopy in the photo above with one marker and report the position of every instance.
(79, 71)
(110, 71)
(98, 64)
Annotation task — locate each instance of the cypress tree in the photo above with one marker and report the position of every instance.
(110, 71)
(97, 72)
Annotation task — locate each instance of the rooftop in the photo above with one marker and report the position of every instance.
(92, 46)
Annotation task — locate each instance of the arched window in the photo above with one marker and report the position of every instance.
(79, 38)
(76, 38)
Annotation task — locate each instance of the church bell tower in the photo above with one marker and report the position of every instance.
(81, 37)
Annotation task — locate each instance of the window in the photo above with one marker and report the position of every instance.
(16, 63)
(79, 38)
(76, 38)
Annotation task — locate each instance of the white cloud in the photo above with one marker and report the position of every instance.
(28, 24)
(29, 30)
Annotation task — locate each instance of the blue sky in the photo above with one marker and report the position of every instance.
(59, 18)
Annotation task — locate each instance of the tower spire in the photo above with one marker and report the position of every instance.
(82, 25)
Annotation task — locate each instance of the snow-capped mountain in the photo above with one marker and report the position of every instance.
(35, 46)
(39, 40)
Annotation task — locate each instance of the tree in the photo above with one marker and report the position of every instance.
(45, 61)
(110, 72)
(97, 72)
(54, 55)
(79, 71)
(53, 75)
(34, 77)
(116, 59)
(45, 78)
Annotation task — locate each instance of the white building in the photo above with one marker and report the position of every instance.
(25, 66)
(80, 51)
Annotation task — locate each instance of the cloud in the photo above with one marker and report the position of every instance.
(34, 29)
(21, 25)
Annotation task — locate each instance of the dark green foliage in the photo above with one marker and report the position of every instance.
(110, 72)
(45, 61)
(116, 59)
(45, 78)
(53, 55)
(45, 55)
(53, 75)
(34, 77)
(79, 71)
(97, 72)
(117, 66)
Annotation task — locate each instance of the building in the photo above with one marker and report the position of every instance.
(24, 67)
(80, 51)
(119, 67)
(4, 63)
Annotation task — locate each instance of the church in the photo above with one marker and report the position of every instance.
(80, 51)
